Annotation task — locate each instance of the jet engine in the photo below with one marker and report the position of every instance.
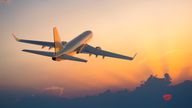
(64, 42)
(99, 48)
(56, 59)
(43, 47)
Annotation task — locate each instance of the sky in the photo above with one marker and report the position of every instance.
(159, 31)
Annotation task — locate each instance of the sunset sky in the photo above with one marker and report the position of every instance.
(160, 31)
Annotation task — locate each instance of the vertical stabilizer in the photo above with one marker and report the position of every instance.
(57, 40)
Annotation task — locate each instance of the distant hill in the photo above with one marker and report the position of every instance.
(153, 93)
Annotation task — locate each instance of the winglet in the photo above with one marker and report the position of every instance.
(17, 39)
(134, 56)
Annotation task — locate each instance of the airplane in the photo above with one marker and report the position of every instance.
(65, 50)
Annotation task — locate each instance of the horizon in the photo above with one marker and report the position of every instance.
(58, 91)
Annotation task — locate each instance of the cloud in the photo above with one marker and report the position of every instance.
(185, 74)
(54, 90)
(4, 1)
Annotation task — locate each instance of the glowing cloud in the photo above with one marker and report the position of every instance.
(54, 90)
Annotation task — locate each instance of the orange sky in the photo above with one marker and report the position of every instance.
(159, 31)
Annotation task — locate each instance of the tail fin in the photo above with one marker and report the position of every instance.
(57, 40)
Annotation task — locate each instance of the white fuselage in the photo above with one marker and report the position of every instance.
(75, 43)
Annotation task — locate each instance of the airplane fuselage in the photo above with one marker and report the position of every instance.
(74, 44)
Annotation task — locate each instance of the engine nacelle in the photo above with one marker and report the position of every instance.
(99, 48)
(56, 59)
(43, 47)
(50, 48)
(64, 42)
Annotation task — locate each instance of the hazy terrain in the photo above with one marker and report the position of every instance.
(149, 94)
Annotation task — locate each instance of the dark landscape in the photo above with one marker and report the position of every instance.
(150, 94)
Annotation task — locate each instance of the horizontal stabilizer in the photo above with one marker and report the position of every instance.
(51, 54)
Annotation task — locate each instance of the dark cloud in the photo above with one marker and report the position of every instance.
(150, 95)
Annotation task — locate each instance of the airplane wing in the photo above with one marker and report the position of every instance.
(68, 57)
(51, 54)
(43, 53)
(92, 50)
(42, 43)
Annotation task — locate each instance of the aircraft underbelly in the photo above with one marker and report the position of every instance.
(74, 46)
